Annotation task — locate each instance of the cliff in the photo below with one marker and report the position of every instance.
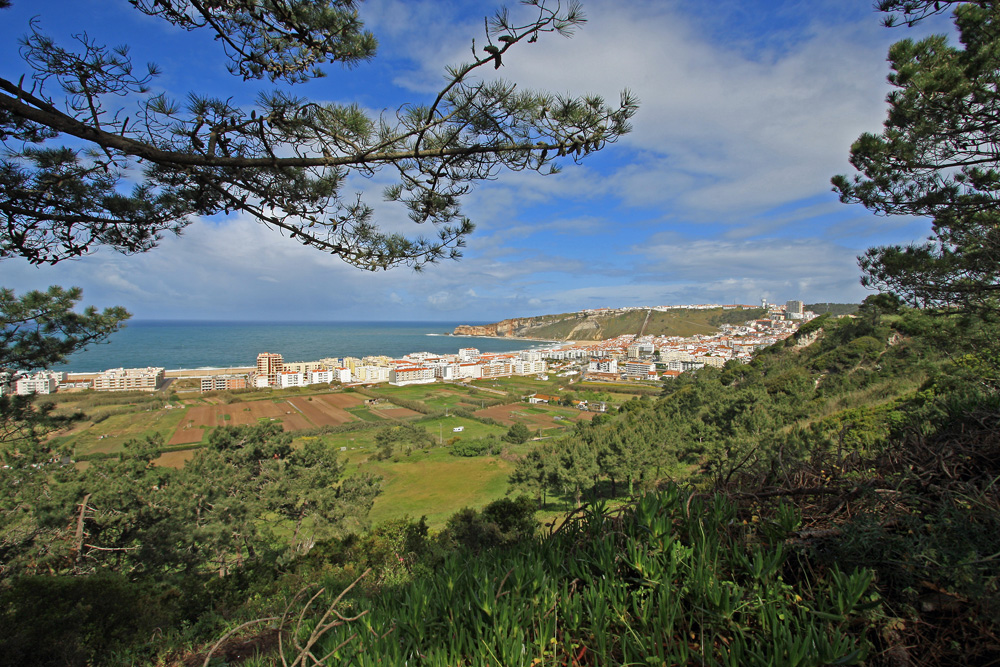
(503, 329)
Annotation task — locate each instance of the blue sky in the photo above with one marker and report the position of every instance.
(720, 194)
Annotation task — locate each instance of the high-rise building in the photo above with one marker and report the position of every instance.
(269, 365)
(794, 307)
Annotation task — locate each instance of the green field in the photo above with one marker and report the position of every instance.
(440, 428)
(111, 433)
(676, 322)
(425, 482)
(364, 414)
(434, 396)
(524, 384)
(437, 485)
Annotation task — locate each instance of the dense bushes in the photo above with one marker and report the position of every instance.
(489, 444)
(676, 580)
(66, 620)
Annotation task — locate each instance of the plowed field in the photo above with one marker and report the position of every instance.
(295, 414)
(318, 413)
(341, 400)
(393, 412)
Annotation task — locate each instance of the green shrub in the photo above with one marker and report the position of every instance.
(68, 621)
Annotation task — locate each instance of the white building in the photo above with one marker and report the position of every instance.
(371, 374)
(529, 367)
(570, 353)
(497, 366)
(286, 379)
(411, 375)
(420, 356)
(129, 379)
(468, 354)
(641, 370)
(638, 350)
(42, 382)
(322, 376)
(530, 355)
(605, 365)
(472, 371)
(684, 366)
(717, 362)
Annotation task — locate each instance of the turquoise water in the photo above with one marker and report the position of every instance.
(199, 344)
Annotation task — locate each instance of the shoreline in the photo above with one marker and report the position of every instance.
(539, 340)
(231, 347)
(209, 371)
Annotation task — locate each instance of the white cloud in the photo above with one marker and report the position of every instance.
(732, 139)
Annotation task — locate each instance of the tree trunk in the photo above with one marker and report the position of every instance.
(79, 528)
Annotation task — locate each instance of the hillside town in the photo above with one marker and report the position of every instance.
(635, 358)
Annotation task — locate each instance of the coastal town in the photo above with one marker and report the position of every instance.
(634, 357)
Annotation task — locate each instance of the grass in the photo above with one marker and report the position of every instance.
(433, 483)
(437, 397)
(437, 485)
(440, 427)
(471, 429)
(364, 414)
(524, 384)
(120, 428)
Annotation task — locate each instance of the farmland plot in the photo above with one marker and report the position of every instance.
(534, 417)
(342, 401)
(321, 413)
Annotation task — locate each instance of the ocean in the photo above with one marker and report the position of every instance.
(179, 344)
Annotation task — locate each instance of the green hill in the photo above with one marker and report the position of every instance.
(601, 325)
(832, 502)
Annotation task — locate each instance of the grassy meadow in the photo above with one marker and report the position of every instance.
(427, 482)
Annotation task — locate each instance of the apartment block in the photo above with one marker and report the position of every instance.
(497, 366)
(639, 350)
(372, 374)
(530, 367)
(716, 362)
(42, 382)
(606, 365)
(322, 376)
(129, 379)
(223, 382)
(286, 379)
(642, 370)
(305, 367)
(411, 375)
(269, 365)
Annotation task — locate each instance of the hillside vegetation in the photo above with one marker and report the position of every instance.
(834, 501)
(611, 324)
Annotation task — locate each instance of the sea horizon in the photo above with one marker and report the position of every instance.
(190, 344)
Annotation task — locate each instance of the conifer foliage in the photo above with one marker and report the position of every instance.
(82, 167)
(39, 329)
(937, 157)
